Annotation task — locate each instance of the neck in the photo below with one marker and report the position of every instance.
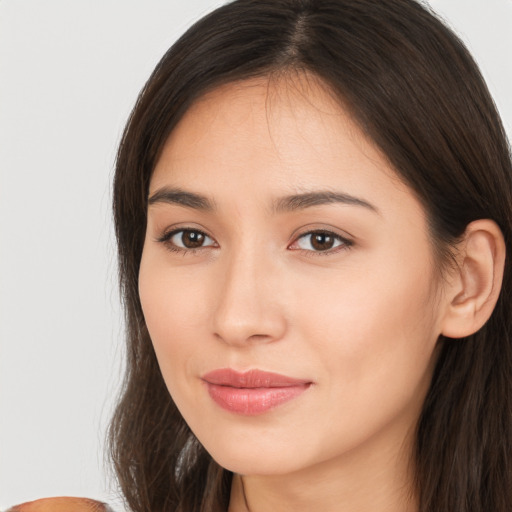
(365, 480)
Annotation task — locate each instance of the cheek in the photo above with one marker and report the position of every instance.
(171, 302)
(170, 294)
(374, 333)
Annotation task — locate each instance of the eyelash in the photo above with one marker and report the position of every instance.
(166, 240)
(344, 245)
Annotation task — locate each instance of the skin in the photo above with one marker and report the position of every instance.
(359, 320)
(61, 504)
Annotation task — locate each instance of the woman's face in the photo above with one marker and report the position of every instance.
(280, 240)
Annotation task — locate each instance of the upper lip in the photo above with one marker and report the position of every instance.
(251, 379)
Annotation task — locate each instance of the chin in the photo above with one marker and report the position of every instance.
(254, 458)
(262, 466)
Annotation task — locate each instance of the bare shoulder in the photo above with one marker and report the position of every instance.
(61, 504)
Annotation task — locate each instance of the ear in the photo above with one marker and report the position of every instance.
(475, 287)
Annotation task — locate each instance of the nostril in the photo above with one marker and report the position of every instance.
(243, 335)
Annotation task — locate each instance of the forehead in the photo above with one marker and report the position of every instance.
(267, 136)
(271, 116)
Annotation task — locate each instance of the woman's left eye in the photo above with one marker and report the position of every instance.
(320, 242)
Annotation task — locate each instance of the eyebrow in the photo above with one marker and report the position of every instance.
(289, 203)
(181, 197)
(309, 199)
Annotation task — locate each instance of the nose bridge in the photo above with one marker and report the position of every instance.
(247, 309)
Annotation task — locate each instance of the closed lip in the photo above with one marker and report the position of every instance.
(251, 379)
(252, 392)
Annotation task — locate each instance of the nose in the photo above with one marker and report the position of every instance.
(248, 307)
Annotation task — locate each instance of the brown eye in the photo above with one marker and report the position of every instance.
(192, 239)
(320, 241)
(188, 239)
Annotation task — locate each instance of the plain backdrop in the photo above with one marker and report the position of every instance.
(69, 74)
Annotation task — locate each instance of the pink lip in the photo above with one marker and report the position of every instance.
(253, 392)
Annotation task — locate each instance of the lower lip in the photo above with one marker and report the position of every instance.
(252, 401)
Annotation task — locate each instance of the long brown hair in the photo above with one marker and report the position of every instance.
(416, 92)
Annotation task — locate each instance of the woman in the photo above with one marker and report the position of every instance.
(313, 203)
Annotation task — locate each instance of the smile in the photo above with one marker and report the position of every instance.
(253, 392)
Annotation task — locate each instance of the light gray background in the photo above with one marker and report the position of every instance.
(69, 75)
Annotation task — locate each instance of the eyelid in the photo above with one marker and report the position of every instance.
(346, 243)
(169, 233)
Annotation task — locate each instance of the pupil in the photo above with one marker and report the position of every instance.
(192, 239)
(322, 242)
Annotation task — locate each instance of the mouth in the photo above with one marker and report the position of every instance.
(253, 392)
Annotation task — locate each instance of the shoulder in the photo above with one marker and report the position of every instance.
(62, 504)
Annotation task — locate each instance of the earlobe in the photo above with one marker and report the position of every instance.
(475, 287)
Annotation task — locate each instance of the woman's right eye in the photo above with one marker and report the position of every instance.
(185, 240)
